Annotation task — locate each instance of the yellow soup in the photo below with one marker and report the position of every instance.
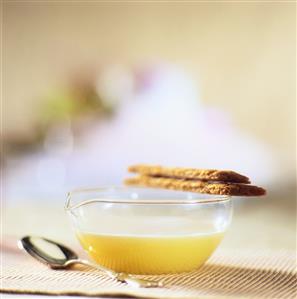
(150, 254)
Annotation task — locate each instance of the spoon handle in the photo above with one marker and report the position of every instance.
(122, 277)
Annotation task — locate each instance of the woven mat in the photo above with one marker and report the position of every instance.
(228, 274)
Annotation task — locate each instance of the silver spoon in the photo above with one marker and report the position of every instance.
(58, 256)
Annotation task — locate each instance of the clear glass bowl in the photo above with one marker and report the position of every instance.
(148, 231)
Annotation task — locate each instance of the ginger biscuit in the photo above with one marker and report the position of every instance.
(218, 188)
(190, 173)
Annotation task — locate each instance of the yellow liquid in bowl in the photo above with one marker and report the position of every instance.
(150, 254)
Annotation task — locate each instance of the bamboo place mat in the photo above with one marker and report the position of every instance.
(228, 274)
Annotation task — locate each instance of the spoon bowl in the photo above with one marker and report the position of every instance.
(50, 253)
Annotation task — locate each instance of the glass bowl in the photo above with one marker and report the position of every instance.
(148, 231)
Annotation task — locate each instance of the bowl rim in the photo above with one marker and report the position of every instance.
(189, 200)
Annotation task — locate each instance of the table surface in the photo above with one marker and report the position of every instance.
(15, 296)
(257, 223)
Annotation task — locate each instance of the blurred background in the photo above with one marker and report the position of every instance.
(90, 88)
